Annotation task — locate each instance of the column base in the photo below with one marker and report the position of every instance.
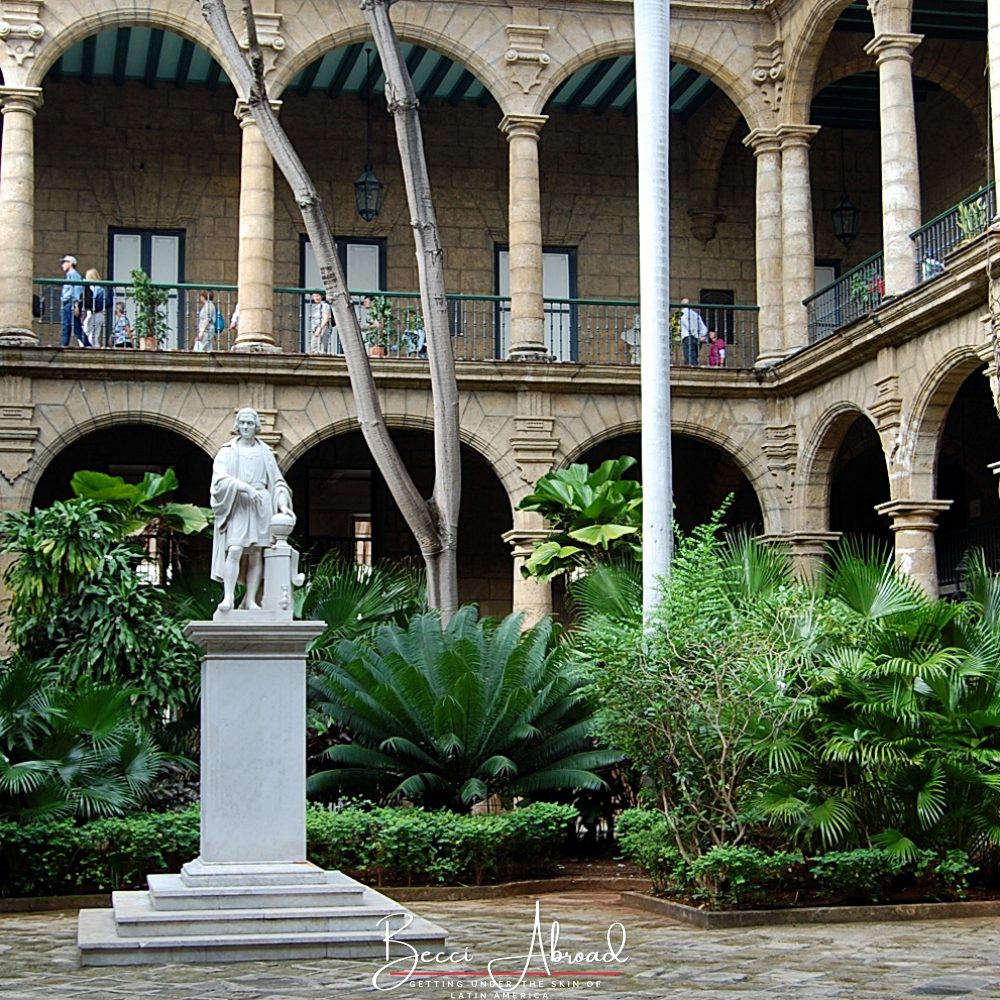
(18, 336)
(530, 354)
(256, 347)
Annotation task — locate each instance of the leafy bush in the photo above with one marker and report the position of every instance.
(383, 845)
(699, 701)
(53, 857)
(593, 515)
(744, 876)
(79, 608)
(448, 717)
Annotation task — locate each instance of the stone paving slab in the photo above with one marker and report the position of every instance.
(660, 958)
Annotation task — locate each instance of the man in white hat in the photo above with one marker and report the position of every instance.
(71, 300)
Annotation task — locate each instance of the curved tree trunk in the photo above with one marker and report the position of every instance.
(433, 522)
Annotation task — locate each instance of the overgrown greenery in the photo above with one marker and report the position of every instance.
(81, 611)
(763, 714)
(384, 846)
(448, 717)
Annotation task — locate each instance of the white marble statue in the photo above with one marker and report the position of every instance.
(247, 491)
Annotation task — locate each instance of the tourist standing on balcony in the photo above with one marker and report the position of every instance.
(121, 329)
(694, 332)
(71, 300)
(206, 323)
(320, 323)
(716, 350)
(94, 312)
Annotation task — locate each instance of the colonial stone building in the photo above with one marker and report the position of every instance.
(831, 207)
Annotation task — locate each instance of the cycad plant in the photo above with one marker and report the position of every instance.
(448, 717)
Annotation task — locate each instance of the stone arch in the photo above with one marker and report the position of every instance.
(959, 78)
(804, 57)
(726, 78)
(77, 430)
(751, 466)
(818, 456)
(498, 459)
(919, 448)
(159, 14)
(419, 34)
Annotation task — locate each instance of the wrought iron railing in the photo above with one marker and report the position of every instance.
(584, 331)
(180, 312)
(935, 240)
(853, 295)
(953, 546)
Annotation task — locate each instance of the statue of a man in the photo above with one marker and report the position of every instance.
(247, 490)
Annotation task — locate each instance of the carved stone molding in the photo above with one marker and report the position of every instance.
(21, 27)
(781, 449)
(888, 405)
(17, 439)
(534, 446)
(703, 222)
(526, 57)
(769, 73)
(269, 36)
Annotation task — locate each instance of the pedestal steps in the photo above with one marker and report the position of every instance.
(249, 923)
(170, 892)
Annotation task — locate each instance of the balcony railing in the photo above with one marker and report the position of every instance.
(941, 235)
(584, 331)
(953, 546)
(853, 295)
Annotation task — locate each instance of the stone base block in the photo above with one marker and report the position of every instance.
(208, 873)
(175, 922)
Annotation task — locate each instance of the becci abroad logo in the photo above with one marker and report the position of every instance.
(506, 973)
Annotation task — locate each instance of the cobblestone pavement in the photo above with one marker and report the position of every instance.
(957, 958)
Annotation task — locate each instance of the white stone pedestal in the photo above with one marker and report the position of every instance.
(251, 894)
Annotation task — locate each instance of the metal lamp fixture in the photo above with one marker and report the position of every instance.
(368, 188)
(844, 213)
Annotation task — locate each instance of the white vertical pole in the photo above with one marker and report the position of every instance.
(652, 81)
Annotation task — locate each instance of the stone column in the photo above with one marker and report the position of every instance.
(255, 275)
(798, 250)
(531, 597)
(17, 214)
(900, 167)
(807, 551)
(527, 308)
(993, 43)
(766, 147)
(913, 524)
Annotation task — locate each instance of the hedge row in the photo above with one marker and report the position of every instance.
(745, 876)
(381, 846)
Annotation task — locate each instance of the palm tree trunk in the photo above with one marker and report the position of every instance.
(433, 522)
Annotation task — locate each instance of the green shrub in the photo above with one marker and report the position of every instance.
(742, 876)
(645, 838)
(56, 857)
(862, 875)
(384, 845)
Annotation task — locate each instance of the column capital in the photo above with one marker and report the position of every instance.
(244, 115)
(913, 515)
(24, 99)
(893, 45)
(524, 540)
(522, 125)
(763, 140)
(796, 134)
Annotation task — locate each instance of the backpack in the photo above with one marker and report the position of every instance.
(99, 300)
(220, 321)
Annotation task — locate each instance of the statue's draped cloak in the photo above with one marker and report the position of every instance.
(241, 520)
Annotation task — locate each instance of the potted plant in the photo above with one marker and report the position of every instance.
(150, 311)
(414, 334)
(973, 217)
(377, 330)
